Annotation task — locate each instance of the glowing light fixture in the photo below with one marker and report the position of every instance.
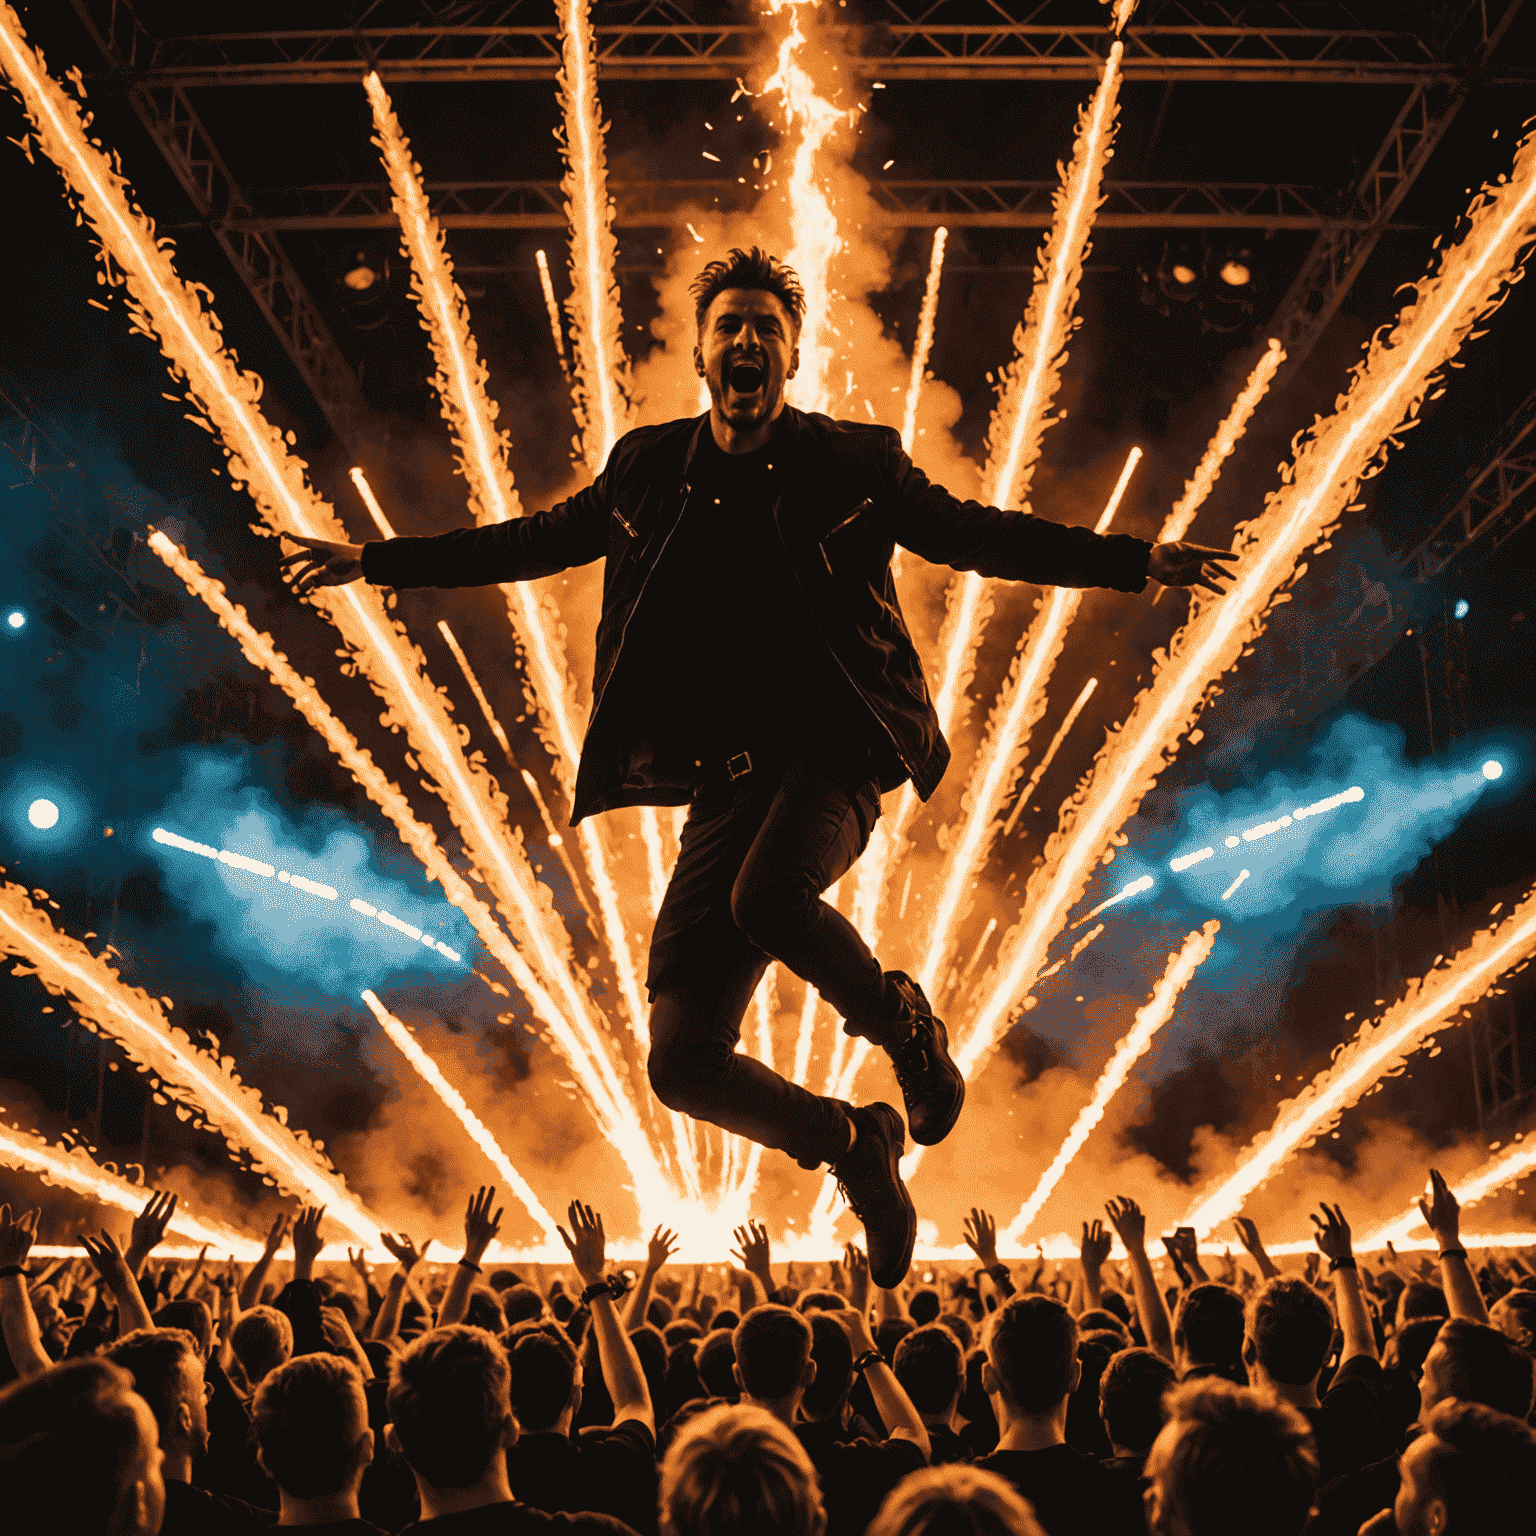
(1182, 274)
(1462, 608)
(16, 618)
(1493, 769)
(1235, 274)
(43, 814)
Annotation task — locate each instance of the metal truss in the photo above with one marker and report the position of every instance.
(1498, 503)
(257, 257)
(1498, 1083)
(1274, 43)
(903, 204)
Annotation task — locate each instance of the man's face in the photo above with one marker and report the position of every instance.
(1416, 1512)
(1432, 1385)
(1158, 1500)
(746, 353)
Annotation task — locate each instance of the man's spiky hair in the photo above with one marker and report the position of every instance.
(749, 269)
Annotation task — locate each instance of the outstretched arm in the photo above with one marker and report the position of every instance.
(1126, 1218)
(479, 1228)
(980, 1232)
(250, 1289)
(18, 1322)
(114, 1268)
(1248, 1233)
(1442, 1215)
(902, 1421)
(1093, 1254)
(1333, 1242)
(662, 1246)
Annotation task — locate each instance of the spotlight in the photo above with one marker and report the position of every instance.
(1184, 276)
(43, 814)
(1235, 275)
(16, 618)
(1492, 769)
(1178, 273)
(1462, 608)
(360, 278)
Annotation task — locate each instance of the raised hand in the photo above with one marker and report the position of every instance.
(110, 1260)
(1126, 1218)
(404, 1249)
(1332, 1234)
(1442, 1211)
(754, 1252)
(323, 563)
(275, 1235)
(662, 1246)
(358, 1259)
(1189, 565)
(149, 1228)
(1313, 1264)
(1248, 1235)
(980, 1233)
(479, 1225)
(586, 1242)
(858, 1280)
(1095, 1246)
(17, 1237)
(307, 1241)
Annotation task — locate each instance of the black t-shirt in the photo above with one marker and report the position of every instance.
(1345, 1504)
(946, 1446)
(856, 1474)
(517, 1519)
(739, 657)
(1071, 1492)
(1347, 1423)
(606, 1471)
(343, 1528)
(193, 1511)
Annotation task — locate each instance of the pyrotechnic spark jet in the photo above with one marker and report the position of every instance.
(1149, 1019)
(201, 1086)
(1512, 1163)
(410, 1047)
(1135, 888)
(1231, 890)
(71, 1168)
(1431, 1003)
(1084, 942)
(923, 343)
(1021, 704)
(597, 327)
(1401, 365)
(554, 313)
(1050, 756)
(573, 1035)
(375, 511)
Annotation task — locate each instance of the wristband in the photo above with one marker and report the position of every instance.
(469, 1264)
(868, 1358)
(15, 1269)
(1445, 1253)
(1335, 1265)
(1000, 1271)
(615, 1286)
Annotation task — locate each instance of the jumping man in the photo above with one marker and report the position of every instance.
(753, 664)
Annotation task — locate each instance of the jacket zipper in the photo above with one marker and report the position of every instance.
(822, 546)
(622, 524)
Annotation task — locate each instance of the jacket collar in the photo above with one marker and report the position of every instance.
(787, 429)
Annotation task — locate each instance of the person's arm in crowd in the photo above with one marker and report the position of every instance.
(1248, 1235)
(228, 1287)
(307, 1241)
(890, 1303)
(479, 1228)
(185, 1293)
(692, 1309)
(358, 1258)
(902, 1421)
(1093, 1254)
(1127, 1219)
(148, 1230)
(980, 1233)
(754, 1253)
(386, 1323)
(1333, 1242)
(662, 1246)
(341, 1340)
(622, 1374)
(749, 1291)
(1187, 1248)
(1442, 1215)
(1033, 1285)
(18, 1322)
(298, 1300)
(250, 1291)
(113, 1265)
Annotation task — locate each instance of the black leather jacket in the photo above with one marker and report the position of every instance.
(850, 496)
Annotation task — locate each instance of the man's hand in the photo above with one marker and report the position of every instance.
(337, 1332)
(1094, 1250)
(754, 1253)
(1126, 1218)
(1442, 1212)
(358, 1259)
(1248, 1235)
(307, 1241)
(858, 1280)
(17, 1237)
(479, 1225)
(1332, 1234)
(404, 1249)
(325, 563)
(980, 1233)
(276, 1233)
(149, 1229)
(662, 1246)
(1187, 565)
(588, 1246)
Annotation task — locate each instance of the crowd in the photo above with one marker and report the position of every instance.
(1347, 1395)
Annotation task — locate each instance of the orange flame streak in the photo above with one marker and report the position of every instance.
(810, 122)
(375, 511)
(71, 1168)
(1150, 1018)
(573, 1035)
(1374, 1052)
(1020, 705)
(453, 1100)
(1386, 390)
(1512, 1163)
(924, 342)
(201, 1086)
(1063, 731)
(554, 313)
(601, 369)
(1208, 471)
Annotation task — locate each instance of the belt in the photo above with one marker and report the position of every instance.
(724, 772)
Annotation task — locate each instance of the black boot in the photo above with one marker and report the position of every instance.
(869, 1175)
(930, 1082)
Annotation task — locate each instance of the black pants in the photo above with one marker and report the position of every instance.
(756, 856)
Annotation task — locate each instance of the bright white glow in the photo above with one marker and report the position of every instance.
(1462, 608)
(1183, 274)
(1135, 888)
(1492, 769)
(1242, 875)
(1348, 797)
(43, 814)
(1234, 274)
(1179, 865)
(16, 618)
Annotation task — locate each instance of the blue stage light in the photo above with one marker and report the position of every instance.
(1492, 769)
(16, 618)
(43, 814)
(1462, 608)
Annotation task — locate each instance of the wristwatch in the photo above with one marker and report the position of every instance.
(615, 1285)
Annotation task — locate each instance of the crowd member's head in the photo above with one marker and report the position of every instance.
(820, 1301)
(1290, 1331)
(716, 1364)
(1031, 1366)
(451, 1418)
(262, 1340)
(1514, 1315)
(484, 1311)
(1208, 1329)
(194, 1317)
(1476, 1364)
(659, 1313)
(1101, 1319)
(1085, 1425)
(1131, 1394)
(931, 1370)
(310, 1419)
(890, 1332)
(1407, 1348)
(79, 1452)
(1421, 1299)
(725, 1319)
(1472, 1469)
(167, 1371)
(520, 1302)
(546, 1379)
(677, 1332)
(925, 1306)
(954, 1501)
(827, 1394)
(683, 1384)
(1230, 1458)
(739, 1472)
(1114, 1302)
(651, 1347)
(773, 1358)
(501, 1280)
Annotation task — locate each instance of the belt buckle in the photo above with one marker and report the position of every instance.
(739, 766)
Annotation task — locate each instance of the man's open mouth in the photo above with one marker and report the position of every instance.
(746, 377)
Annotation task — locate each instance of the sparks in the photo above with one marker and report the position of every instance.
(375, 511)
(1242, 875)
(1135, 888)
(1514, 1162)
(553, 309)
(1063, 731)
(924, 342)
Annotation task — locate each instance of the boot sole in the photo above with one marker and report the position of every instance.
(895, 1141)
(932, 1136)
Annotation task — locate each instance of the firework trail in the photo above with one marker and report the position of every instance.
(1063, 731)
(554, 313)
(1514, 1162)
(923, 343)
